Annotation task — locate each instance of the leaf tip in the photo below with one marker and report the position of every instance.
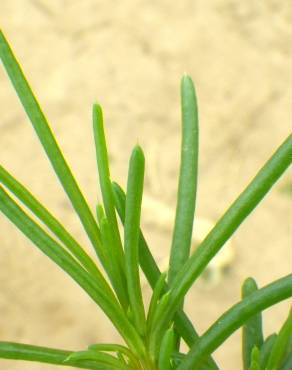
(248, 287)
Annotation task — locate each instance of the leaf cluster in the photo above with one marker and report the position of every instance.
(151, 334)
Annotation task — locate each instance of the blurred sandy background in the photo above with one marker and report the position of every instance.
(129, 56)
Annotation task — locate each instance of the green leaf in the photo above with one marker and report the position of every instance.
(147, 262)
(266, 350)
(152, 273)
(226, 226)
(287, 364)
(49, 143)
(255, 359)
(235, 317)
(288, 351)
(49, 220)
(111, 263)
(187, 188)
(155, 337)
(252, 334)
(166, 349)
(26, 352)
(117, 252)
(277, 355)
(98, 357)
(99, 213)
(156, 295)
(118, 349)
(132, 231)
(98, 290)
(178, 357)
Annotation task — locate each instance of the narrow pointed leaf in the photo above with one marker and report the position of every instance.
(187, 188)
(26, 352)
(166, 350)
(98, 357)
(152, 273)
(266, 350)
(254, 359)
(252, 334)
(99, 213)
(48, 141)
(277, 355)
(132, 231)
(111, 262)
(108, 200)
(118, 349)
(156, 295)
(156, 337)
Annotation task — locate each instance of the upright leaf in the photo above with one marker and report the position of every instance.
(266, 349)
(254, 359)
(108, 201)
(278, 352)
(187, 188)
(132, 232)
(166, 350)
(111, 262)
(152, 273)
(252, 334)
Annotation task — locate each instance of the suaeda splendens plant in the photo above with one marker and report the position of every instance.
(152, 336)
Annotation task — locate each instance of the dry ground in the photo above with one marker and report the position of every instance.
(129, 56)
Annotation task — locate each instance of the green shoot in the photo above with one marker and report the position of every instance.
(254, 359)
(166, 350)
(50, 221)
(151, 338)
(266, 349)
(109, 205)
(16, 351)
(226, 226)
(252, 335)
(186, 200)
(132, 230)
(234, 318)
(276, 357)
(49, 142)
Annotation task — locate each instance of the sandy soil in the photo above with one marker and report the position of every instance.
(129, 56)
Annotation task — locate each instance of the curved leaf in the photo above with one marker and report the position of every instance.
(27, 352)
(233, 319)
